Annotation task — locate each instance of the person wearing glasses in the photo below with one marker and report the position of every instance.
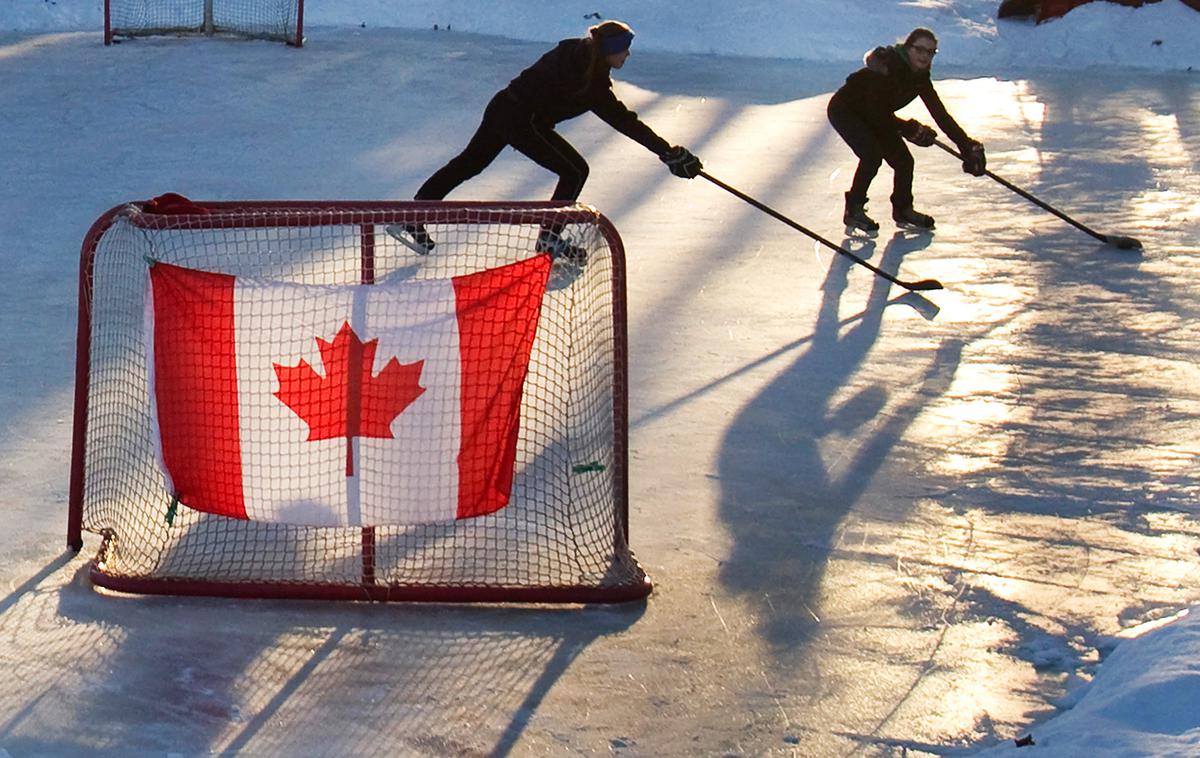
(569, 80)
(863, 112)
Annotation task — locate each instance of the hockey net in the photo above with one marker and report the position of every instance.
(281, 20)
(563, 536)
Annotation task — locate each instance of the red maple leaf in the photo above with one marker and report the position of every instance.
(348, 401)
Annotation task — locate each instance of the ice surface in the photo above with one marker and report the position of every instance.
(871, 532)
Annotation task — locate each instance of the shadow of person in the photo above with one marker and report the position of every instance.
(786, 484)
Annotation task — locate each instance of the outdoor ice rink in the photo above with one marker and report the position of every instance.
(878, 524)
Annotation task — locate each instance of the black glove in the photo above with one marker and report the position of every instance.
(917, 133)
(682, 163)
(974, 161)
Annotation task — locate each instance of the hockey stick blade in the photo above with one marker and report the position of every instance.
(924, 284)
(1122, 242)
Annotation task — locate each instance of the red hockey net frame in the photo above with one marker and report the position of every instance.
(281, 20)
(564, 537)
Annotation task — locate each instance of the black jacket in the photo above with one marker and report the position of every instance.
(557, 87)
(876, 96)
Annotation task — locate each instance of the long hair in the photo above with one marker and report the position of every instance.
(920, 33)
(609, 28)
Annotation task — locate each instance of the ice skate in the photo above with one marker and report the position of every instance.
(907, 218)
(857, 221)
(412, 236)
(560, 249)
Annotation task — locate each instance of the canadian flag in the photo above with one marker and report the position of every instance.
(356, 405)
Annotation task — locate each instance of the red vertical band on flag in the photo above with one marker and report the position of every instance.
(498, 313)
(195, 387)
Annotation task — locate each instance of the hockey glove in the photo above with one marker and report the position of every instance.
(682, 163)
(917, 133)
(974, 161)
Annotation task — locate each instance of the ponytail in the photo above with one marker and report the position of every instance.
(605, 38)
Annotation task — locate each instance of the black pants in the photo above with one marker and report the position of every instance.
(506, 122)
(873, 146)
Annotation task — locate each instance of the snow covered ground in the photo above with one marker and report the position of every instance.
(1158, 37)
(878, 524)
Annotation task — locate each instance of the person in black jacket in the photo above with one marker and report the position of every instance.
(564, 83)
(863, 113)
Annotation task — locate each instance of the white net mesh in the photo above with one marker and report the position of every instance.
(561, 537)
(265, 19)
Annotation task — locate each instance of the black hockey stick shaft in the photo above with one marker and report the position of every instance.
(1119, 241)
(924, 284)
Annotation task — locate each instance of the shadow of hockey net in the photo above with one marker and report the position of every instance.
(563, 536)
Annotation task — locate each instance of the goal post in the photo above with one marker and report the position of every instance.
(370, 510)
(281, 20)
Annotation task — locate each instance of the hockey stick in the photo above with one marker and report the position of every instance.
(924, 284)
(1120, 241)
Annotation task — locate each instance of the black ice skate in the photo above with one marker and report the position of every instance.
(412, 236)
(857, 221)
(907, 218)
(560, 249)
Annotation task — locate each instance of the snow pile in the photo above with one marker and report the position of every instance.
(1143, 701)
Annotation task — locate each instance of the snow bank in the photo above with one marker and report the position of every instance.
(1160, 36)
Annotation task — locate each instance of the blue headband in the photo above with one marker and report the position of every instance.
(616, 43)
